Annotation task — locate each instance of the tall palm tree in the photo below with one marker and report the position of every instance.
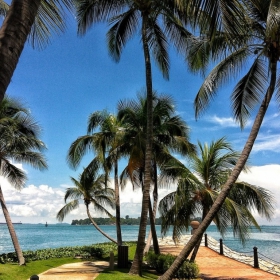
(158, 21)
(257, 44)
(92, 189)
(105, 144)
(170, 134)
(37, 18)
(18, 143)
(196, 194)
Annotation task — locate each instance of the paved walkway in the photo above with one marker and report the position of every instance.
(75, 271)
(213, 266)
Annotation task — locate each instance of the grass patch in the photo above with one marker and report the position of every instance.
(123, 274)
(10, 271)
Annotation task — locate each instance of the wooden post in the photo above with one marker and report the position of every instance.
(112, 261)
(256, 259)
(221, 247)
(122, 256)
(206, 240)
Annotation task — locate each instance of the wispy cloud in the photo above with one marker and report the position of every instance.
(222, 121)
(267, 143)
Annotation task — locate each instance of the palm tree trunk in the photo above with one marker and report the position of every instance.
(98, 228)
(13, 35)
(232, 178)
(118, 208)
(136, 267)
(152, 213)
(153, 229)
(20, 257)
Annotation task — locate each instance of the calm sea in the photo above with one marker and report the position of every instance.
(37, 236)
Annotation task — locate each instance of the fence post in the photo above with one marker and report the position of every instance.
(34, 277)
(206, 240)
(221, 247)
(256, 260)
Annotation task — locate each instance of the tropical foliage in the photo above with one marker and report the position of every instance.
(158, 23)
(197, 191)
(33, 19)
(19, 143)
(256, 44)
(91, 188)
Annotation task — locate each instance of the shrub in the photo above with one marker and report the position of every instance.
(96, 250)
(162, 262)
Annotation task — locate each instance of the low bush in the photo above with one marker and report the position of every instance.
(162, 262)
(85, 252)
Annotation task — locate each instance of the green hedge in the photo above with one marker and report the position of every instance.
(95, 250)
(162, 262)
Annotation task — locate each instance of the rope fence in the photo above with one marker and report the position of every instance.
(251, 258)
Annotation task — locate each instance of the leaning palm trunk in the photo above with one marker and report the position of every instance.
(20, 257)
(13, 35)
(136, 267)
(98, 228)
(231, 180)
(118, 210)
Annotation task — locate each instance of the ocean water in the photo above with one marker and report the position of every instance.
(37, 236)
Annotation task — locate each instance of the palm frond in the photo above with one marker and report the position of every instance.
(248, 91)
(66, 209)
(123, 28)
(221, 73)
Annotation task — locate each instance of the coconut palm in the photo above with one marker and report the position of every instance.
(19, 143)
(158, 21)
(197, 192)
(91, 188)
(256, 45)
(170, 134)
(105, 144)
(37, 18)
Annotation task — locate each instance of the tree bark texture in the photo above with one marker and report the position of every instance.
(136, 267)
(118, 207)
(98, 228)
(13, 35)
(10, 226)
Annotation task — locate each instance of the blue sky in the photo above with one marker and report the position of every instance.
(75, 76)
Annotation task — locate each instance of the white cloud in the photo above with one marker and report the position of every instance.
(224, 122)
(267, 143)
(40, 204)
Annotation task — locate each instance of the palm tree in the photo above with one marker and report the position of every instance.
(105, 144)
(170, 134)
(158, 21)
(37, 18)
(92, 189)
(196, 194)
(258, 44)
(19, 143)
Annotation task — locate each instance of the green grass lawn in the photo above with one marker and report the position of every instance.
(118, 274)
(15, 272)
